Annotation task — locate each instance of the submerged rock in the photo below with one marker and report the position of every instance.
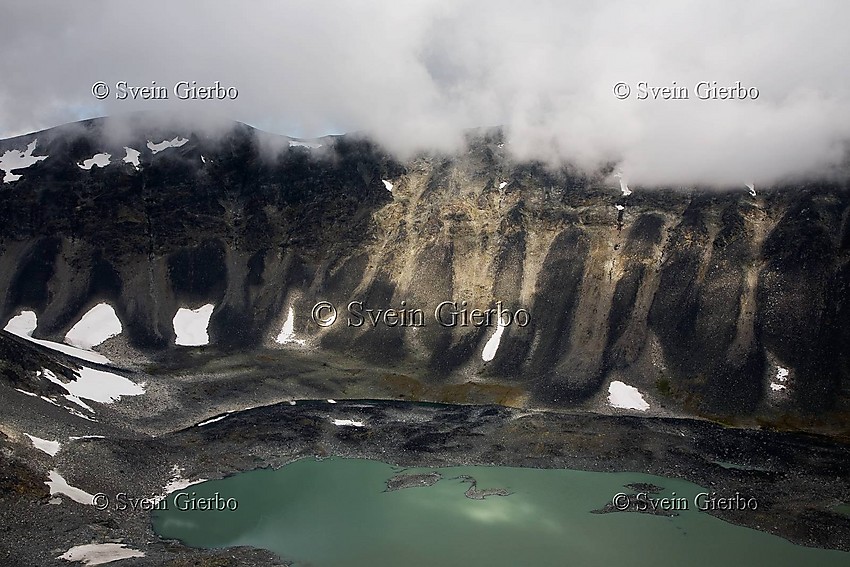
(644, 487)
(402, 481)
(475, 493)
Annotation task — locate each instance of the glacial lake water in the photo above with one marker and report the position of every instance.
(336, 512)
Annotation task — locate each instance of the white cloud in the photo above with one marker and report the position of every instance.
(415, 73)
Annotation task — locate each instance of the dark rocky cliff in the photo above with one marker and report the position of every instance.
(696, 297)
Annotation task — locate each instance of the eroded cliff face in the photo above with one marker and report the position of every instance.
(697, 298)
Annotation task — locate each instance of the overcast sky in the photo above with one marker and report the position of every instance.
(414, 73)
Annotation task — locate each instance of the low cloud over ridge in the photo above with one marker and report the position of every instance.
(414, 74)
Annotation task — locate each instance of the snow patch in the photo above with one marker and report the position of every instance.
(27, 393)
(388, 185)
(752, 188)
(624, 187)
(16, 159)
(100, 553)
(79, 402)
(621, 395)
(178, 481)
(72, 411)
(176, 142)
(99, 160)
(132, 157)
(22, 324)
(492, 344)
(330, 401)
(58, 485)
(73, 438)
(86, 355)
(97, 386)
(213, 420)
(26, 322)
(49, 447)
(620, 207)
(348, 422)
(287, 332)
(99, 324)
(190, 325)
(781, 378)
(503, 184)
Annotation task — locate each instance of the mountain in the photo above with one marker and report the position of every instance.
(695, 302)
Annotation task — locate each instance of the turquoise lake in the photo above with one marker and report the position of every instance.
(337, 513)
